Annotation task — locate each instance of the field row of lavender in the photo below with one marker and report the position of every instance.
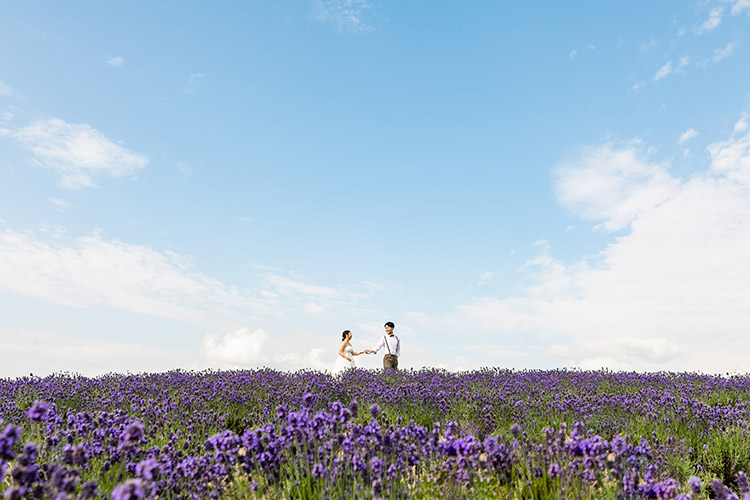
(410, 434)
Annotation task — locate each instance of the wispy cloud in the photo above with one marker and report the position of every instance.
(714, 19)
(687, 135)
(94, 271)
(115, 61)
(636, 87)
(741, 125)
(669, 68)
(346, 15)
(61, 205)
(721, 54)
(573, 54)
(5, 89)
(647, 46)
(731, 158)
(739, 6)
(663, 71)
(184, 169)
(76, 152)
(193, 82)
(613, 185)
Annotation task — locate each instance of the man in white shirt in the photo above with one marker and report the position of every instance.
(392, 346)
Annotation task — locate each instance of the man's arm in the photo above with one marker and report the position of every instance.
(398, 347)
(378, 346)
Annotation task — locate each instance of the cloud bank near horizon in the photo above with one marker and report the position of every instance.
(669, 292)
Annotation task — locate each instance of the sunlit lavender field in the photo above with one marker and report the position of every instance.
(490, 433)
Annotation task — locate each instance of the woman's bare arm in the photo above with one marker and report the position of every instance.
(341, 351)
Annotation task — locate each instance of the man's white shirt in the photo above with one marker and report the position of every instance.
(393, 343)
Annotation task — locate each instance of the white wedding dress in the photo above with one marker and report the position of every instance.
(343, 364)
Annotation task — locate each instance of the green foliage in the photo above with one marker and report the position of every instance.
(726, 454)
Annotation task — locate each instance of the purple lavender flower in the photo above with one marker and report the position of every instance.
(308, 399)
(744, 487)
(89, 490)
(132, 489)
(147, 469)
(15, 493)
(554, 470)
(8, 439)
(376, 465)
(695, 485)
(38, 411)
(131, 435)
(666, 490)
(722, 492)
(318, 470)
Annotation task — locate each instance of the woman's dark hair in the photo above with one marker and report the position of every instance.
(343, 335)
(390, 323)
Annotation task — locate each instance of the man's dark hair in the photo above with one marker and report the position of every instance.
(390, 323)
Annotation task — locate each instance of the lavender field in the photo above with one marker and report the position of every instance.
(411, 434)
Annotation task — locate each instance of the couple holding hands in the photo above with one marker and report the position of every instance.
(389, 341)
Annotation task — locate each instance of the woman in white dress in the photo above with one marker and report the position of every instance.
(345, 359)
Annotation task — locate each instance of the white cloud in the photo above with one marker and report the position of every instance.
(289, 286)
(93, 271)
(573, 54)
(741, 125)
(739, 6)
(721, 54)
(671, 294)
(655, 349)
(239, 349)
(636, 87)
(346, 15)
(485, 277)
(714, 19)
(115, 61)
(61, 205)
(647, 46)
(687, 135)
(192, 84)
(43, 353)
(76, 152)
(731, 158)
(310, 359)
(669, 68)
(613, 185)
(663, 71)
(5, 118)
(5, 89)
(184, 169)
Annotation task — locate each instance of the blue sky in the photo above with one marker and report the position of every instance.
(231, 185)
